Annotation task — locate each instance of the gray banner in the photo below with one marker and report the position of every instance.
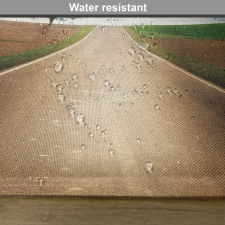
(112, 7)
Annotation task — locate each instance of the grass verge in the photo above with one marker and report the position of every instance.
(208, 72)
(3, 40)
(199, 31)
(26, 56)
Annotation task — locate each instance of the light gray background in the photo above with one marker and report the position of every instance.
(155, 7)
(120, 21)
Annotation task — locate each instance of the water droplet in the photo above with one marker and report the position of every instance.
(161, 96)
(149, 60)
(75, 85)
(156, 107)
(98, 127)
(192, 118)
(41, 181)
(168, 90)
(58, 67)
(83, 146)
(83, 65)
(92, 76)
(61, 97)
(103, 132)
(140, 56)
(112, 88)
(106, 83)
(80, 118)
(103, 67)
(131, 51)
(135, 92)
(111, 70)
(124, 96)
(91, 135)
(59, 87)
(118, 86)
(181, 97)
(69, 106)
(149, 167)
(136, 64)
(72, 111)
(150, 65)
(67, 81)
(46, 215)
(74, 76)
(144, 86)
(63, 56)
(111, 153)
(175, 91)
(139, 141)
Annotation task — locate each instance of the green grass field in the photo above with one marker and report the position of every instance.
(211, 73)
(201, 31)
(26, 56)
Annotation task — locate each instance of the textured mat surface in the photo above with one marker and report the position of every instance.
(106, 118)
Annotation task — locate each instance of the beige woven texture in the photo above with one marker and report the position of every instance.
(141, 127)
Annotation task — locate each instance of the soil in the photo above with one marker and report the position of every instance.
(16, 36)
(205, 51)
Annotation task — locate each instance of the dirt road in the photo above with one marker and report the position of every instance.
(106, 118)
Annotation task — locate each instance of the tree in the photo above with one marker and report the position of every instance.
(51, 19)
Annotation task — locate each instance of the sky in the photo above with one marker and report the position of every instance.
(122, 21)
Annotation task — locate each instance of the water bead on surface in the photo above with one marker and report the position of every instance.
(74, 76)
(148, 167)
(58, 66)
(72, 111)
(59, 87)
(75, 85)
(67, 81)
(111, 153)
(46, 215)
(157, 107)
(80, 118)
(131, 51)
(61, 97)
(92, 76)
(106, 83)
(91, 135)
(138, 141)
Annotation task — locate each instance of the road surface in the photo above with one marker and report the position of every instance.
(107, 118)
